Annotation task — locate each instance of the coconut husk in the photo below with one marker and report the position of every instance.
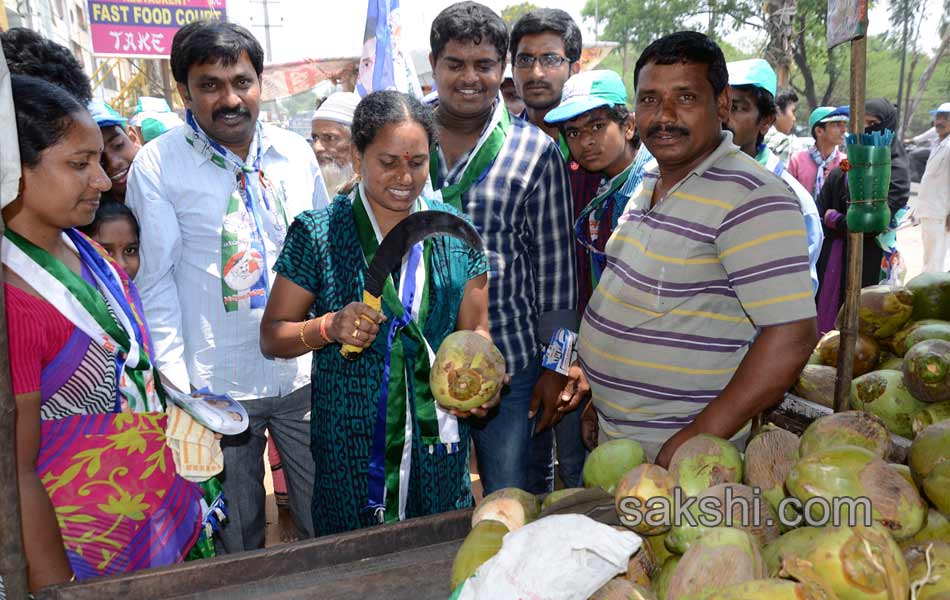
(852, 472)
(860, 563)
(816, 383)
(722, 557)
(930, 414)
(849, 428)
(621, 589)
(769, 457)
(929, 448)
(641, 566)
(867, 352)
(704, 461)
(609, 462)
(511, 506)
(929, 568)
(482, 543)
(644, 498)
(884, 394)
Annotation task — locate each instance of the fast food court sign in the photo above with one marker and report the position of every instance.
(145, 28)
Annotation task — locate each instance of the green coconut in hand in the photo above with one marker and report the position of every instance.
(468, 371)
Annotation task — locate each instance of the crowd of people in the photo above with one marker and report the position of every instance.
(683, 234)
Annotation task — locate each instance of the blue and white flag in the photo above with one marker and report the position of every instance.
(383, 64)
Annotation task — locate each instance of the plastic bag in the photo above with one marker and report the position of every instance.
(561, 557)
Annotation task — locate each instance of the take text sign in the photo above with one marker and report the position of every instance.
(145, 28)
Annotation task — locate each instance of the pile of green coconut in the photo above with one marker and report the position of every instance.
(901, 358)
(903, 553)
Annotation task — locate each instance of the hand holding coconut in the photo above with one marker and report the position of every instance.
(468, 374)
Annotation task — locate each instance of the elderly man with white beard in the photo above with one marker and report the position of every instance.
(331, 140)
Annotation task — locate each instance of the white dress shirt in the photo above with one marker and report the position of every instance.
(180, 198)
(933, 199)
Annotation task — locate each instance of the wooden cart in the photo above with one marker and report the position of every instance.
(411, 560)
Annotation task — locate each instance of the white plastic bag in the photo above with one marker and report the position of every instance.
(561, 557)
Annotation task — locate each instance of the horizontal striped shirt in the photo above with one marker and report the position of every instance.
(687, 284)
(522, 208)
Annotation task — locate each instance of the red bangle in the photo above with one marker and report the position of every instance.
(323, 327)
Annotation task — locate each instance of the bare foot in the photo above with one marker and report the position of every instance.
(285, 525)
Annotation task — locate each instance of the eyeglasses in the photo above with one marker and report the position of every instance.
(548, 61)
(326, 139)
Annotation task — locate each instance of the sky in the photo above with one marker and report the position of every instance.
(306, 30)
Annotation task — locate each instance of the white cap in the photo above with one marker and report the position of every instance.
(338, 107)
(943, 108)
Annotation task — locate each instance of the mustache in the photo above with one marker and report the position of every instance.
(675, 129)
(537, 83)
(227, 112)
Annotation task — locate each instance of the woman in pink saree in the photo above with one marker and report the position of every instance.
(99, 491)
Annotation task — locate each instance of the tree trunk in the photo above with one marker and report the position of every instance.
(832, 70)
(907, 115)
(900, 80)
(929, 71)
(623, 61)
(801, 61)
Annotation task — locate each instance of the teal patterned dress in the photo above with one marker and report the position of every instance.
(322, 255)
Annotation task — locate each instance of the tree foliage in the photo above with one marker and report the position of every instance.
(819, 76)
(819, 71)
(514, 12)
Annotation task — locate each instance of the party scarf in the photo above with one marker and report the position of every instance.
(123, 335)
(770, 160)
(391, 454)
(596, 210)
(815, 155)
(481, 159)
(243, 254)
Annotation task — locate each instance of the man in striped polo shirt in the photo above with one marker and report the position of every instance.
(704, 315)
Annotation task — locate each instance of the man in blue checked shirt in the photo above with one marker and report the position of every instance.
(510, 180)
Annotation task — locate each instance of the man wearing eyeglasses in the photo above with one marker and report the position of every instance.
(546, 47)
(331, 140)
(509, 179)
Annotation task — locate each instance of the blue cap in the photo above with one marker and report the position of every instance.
(943, 108)
(755, 71)
(585, 92)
